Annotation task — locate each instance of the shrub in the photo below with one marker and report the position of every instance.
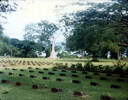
(88, 66)
(79, 66)
(119, 67)
(126, 70)
(65, 66)
(59, 65)
(108, 69)
(73, 66)
(118, 70)
(100, 68)
(94, 68)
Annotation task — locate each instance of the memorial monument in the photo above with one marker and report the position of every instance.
(53, 53)
(109, 55)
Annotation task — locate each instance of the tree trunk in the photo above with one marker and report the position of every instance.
(94, 58)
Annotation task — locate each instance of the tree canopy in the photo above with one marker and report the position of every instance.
(100, 29)
(18, 48)
(41, 33)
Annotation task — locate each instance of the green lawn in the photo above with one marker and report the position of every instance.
(25, 91)
(9, 91)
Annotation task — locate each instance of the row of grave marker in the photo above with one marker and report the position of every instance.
(84, 72)
(73, 81)
(62, 74)
(23, 62)
(75, 93)
(58, 79)
(73, 75)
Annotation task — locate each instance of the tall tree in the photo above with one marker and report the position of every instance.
(7, 6)
(1, 30)
(25, 48)
(100, 28)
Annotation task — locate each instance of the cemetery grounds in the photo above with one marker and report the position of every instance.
(36, 79)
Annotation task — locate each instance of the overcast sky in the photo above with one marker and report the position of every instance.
(32, 11)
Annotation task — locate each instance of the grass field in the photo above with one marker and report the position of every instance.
(103, 62)
(9, 75)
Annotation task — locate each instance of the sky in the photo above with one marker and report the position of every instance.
(33, 11)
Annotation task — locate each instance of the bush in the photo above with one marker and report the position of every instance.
(100, 68)
(79, 66)
(108, 69)
(59, 65)
(88, 66)
(65, 66)
(94, 68)
(118, 70)
(119, 67)
(73, 66)
(126, 70)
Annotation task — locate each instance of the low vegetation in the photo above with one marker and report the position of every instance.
(29, 84)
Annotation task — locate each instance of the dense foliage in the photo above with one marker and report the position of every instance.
(117, 68)
(97, 30)
(100, 29)
(7, 6)
(17, 48)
